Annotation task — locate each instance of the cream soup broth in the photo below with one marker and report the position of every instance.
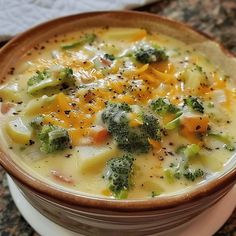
(119, 113)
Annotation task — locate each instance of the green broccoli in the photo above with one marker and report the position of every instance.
(118, 173)
(225, 139)
(40, 76)
(151, 127)
(188, 151)
(182, 169)
(194, 103)
(85, 39)
(53, 138)
(47, 78)
(162, 106)
(110, 57)
(130, 139)
(192, 175)
(150, 55)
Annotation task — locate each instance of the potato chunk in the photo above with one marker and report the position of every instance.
(18, 131)
(129, 34)
(91, 158)
(10, 92)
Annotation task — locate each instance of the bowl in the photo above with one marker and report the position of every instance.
(100, 216)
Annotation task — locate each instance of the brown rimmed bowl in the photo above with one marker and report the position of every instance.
(100, 216)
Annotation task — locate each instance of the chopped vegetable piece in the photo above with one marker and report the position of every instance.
(128, 34)
(91, 159)
(194, 103)
(51, 78)
(189, 151)
(18, 131)
(86, 39)
(149, 55)
(99, 134)
(194, 78)
(195, 124)
(224, 139)
(110, 57)
(10, 92)
(130, 139)
(169, 175)
(193, 174)
(156, 145)
(118, 173)
(53, 138)
(162, 106)
(173, 124)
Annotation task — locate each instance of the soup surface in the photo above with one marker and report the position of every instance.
(118, 113)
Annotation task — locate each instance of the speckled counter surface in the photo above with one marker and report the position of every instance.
(215, 17)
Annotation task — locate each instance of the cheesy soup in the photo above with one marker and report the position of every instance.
(118, 113)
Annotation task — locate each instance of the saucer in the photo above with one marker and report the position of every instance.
(205, 224)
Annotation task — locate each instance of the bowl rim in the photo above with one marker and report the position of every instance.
(56, 194)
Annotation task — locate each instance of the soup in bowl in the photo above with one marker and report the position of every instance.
(103, 117)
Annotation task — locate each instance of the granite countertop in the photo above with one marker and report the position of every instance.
(215, 17)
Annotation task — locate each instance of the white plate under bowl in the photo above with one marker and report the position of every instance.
(205, 224)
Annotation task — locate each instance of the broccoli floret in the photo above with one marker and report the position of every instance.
(150, 54)
(47, 78)
(86, 39)
(188, 151)
(151, 127)
(110, 57)
(130, 139)
(183, 170)
(53, 138)
(224, 139)
(114, 109)
(192, 175)
(194, 103)
(162, 106)
(118, 172)
(40, 76)
(66, 75)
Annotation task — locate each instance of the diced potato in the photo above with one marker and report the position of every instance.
(18, 131)
(10, 92)
(193, 78)
(91, 158)
(129, 34)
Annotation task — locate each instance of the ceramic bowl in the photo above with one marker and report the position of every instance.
(100, 216)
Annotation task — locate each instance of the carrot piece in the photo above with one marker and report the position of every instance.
(60, 177)
(99, 134)
(155, 144)
(195, 124)
(191, 136)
